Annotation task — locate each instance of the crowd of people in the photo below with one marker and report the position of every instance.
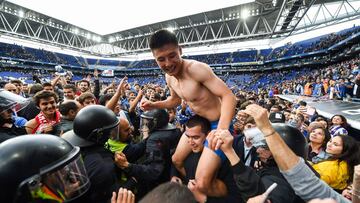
(188, 136)
(315, 44)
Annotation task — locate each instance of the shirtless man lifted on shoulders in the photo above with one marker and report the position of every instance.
(205, 93)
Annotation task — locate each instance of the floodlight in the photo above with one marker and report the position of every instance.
(244, 14)
(88, 35)
(76, 31)
(171, 29)
(21, 13)
(274, 2)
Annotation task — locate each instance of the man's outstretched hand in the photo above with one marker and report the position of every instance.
(147, 105)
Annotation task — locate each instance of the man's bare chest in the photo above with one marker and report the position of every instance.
(187, 90)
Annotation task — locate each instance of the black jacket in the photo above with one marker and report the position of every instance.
(155, 169)
(8, 133)
(133, 151)
(102, 172)
(248, 182)
(224, 174)
(283, 192)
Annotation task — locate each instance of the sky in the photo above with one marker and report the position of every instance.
(109, 16)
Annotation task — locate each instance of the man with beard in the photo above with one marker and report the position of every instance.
(69, 92)
(48, 117)
(123, 143)
(84, 85)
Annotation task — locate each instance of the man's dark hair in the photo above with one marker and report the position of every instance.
(157, 97)
(66, 106)
(286, 110)
(272, 101)
(17, 81)
(86, 95)
(80, 81)
(199, 121)
(161, 38)
(104, 98)
(277, 107)
(35, 88)
(169, 193)
(302, 103)
(46, 84)
(70, 86)
(43, 94)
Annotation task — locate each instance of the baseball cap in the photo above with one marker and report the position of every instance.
(277, 117)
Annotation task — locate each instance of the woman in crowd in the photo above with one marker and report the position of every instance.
(337, 171)
(317, 144)
(338, 126)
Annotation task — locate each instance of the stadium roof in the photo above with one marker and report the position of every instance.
(233, 23)
(109, 16)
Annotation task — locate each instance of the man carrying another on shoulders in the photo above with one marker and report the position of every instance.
(205, 93)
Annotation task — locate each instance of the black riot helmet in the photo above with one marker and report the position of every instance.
(157, 119)
(41, 168)
(292, 137)
(92, 126)
(11, 103)
(9, 100)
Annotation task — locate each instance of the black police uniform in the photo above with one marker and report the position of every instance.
(155, 169)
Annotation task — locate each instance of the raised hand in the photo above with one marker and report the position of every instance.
(123, 196)
(260, 116)
(199, 196)
(96, 73)
(120, 160)
(121, 88)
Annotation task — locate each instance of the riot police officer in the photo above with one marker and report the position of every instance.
(92, 127)
(163, 138)
(41, 168)
(9, 104)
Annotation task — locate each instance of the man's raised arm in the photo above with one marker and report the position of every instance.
(203, 73)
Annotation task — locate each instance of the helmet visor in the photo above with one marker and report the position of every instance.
(12, 101)
(114, 133)
(62, 184)
(145, 124)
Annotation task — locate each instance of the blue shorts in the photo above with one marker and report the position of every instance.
(218, 152)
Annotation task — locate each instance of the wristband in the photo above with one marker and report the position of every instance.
(273, 132)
